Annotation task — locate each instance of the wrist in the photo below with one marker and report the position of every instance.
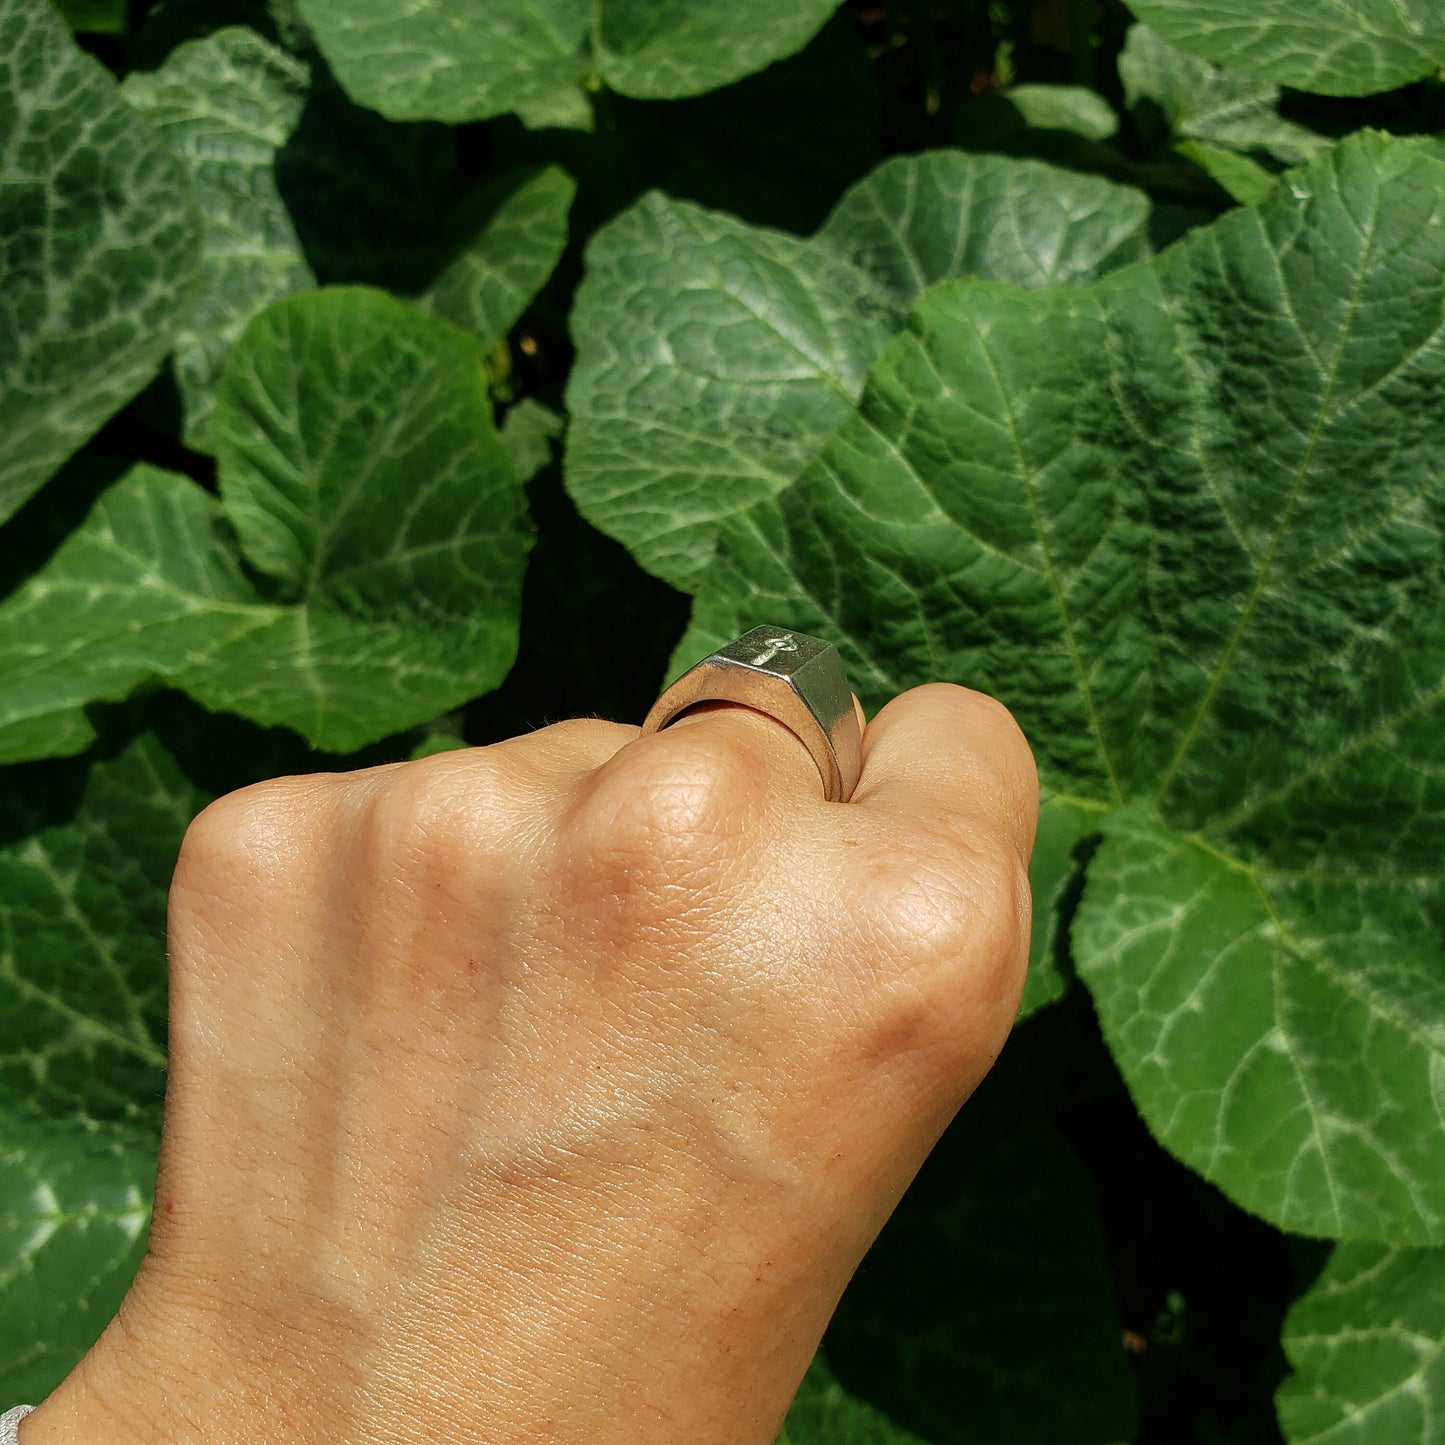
(144, 1380)
(102, 1398)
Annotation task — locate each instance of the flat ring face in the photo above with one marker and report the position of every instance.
(795, 678)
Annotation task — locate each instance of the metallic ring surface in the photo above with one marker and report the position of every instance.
(797, 679)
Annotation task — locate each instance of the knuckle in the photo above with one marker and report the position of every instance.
(922, 908)
(685, 796)
(585, 735)
(562, 748)
(1003, 889)
(253, 833)
(958, 909)
(948, 922)
(427, 821)
(657, 832)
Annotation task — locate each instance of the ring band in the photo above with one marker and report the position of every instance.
(797, 680)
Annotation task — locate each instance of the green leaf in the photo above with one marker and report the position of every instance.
(99, 236)
(95, 17)
(1367, 1343)
(82, 1045)
(919, 220)
(1054, 876)
(569, 109)
(227, 104)
(453, 62)
(984, 1312)
(714, 359)
(491, 282)
(1336, 47)
(1243, 178)
(434, 743)
(824, 1413)
(1296, 1072)
(664, 49)
(362, 477)
(1197, 101)
(1194, 542)
(528, 431)
(1073, 108)
(290, 173)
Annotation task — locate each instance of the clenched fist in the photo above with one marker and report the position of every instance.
(553, 1090)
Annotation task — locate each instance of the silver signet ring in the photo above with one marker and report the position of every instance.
(796, 679)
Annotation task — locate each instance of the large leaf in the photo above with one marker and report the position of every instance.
(824, 1413)
(227, 104)
(1337, 47)
(99, 236)
(1187, 523)
(390, 205)
(83, 875)
(662, 49)
(1367, 1343)
(714, 359)
(1202, 102)
(489, 283)
(362, 477)
(984, 1313)
(456, 61)
(290, 174)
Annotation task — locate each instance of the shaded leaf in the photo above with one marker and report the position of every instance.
(1242, 177)
(488, 285)
(583, 592)
(824, 1413)
(83, 876)
(569, 109)
(389, 205)
(99, 237)
(1336, 47)
(227, 104)
(373, 203)
(984, 1311)
(528, 431)
(775, 149)
(1195, 542)
(96, 17)
(714, 358)
(361, 475)
(1197, 101)
(1367, 1343)
(1055, 871)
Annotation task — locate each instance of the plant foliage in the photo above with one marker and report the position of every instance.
(368, 372)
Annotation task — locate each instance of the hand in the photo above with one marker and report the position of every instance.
(553, 1090)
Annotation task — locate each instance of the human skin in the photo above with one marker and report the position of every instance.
(553, 1090)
